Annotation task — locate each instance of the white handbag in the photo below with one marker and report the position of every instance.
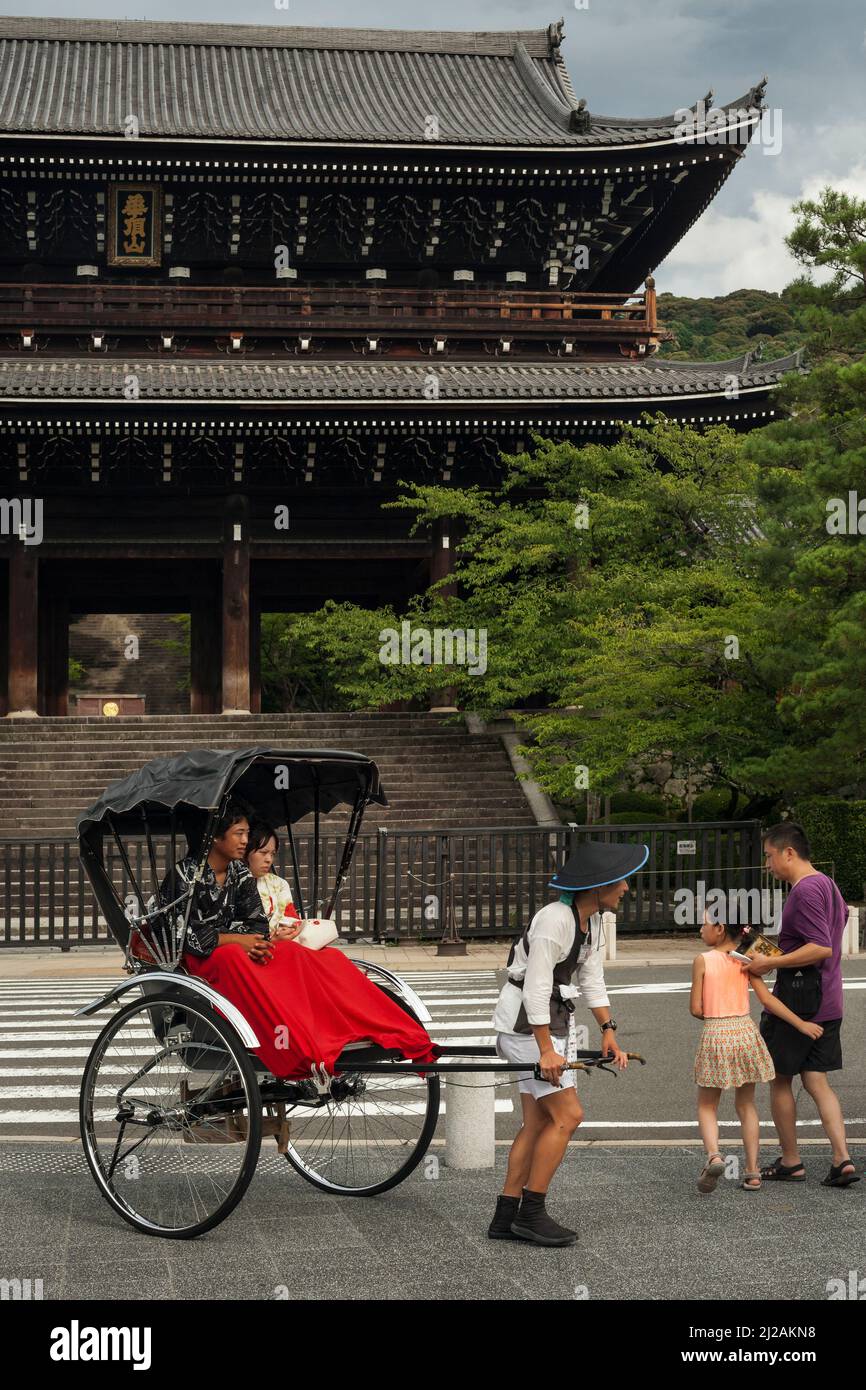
(317, 932)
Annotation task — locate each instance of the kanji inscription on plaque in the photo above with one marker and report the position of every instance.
(134, 224)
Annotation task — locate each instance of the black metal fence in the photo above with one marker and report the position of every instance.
(409, 884)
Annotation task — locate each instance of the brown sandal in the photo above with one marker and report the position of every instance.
(711, 1172)
(752, 1182)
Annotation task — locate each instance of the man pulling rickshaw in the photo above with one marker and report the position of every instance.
(559, 956)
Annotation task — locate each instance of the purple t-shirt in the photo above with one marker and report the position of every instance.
(815, 912)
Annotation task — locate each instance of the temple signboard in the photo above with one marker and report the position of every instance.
(134, 224)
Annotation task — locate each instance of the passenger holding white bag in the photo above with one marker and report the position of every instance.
(284, 919)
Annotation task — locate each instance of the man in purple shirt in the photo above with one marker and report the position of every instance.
(813, 921)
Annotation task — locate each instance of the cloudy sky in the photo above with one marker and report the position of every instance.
(649, 57)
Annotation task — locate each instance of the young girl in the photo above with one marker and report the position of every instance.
(731, 1051)
(283, 917)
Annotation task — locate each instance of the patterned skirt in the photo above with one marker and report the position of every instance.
(732, 1053)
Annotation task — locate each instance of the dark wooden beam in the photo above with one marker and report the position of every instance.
(236, 608)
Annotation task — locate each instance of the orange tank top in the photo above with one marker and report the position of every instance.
(726, 986)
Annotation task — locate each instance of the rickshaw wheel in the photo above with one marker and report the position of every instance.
(370, 1134)
(177, 1145)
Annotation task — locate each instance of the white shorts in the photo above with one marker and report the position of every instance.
(519, 1047)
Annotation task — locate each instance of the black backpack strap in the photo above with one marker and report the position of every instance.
(524, 938)
(560, 1009)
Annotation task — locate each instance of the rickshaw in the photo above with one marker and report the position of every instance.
(174, 1101)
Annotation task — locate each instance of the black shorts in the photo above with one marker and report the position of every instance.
(793, 1052)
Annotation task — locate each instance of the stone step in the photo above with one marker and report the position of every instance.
(495, 812)
(437, 775)
(378, 750)
(123, 752)
(91, 771)
(359, 721)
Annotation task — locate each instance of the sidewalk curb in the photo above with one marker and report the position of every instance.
(87, 962)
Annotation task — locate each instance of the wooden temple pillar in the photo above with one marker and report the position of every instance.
(442, 554)
(4, 639)
(236, 607)
(441, 566)
(255, 654)
(23, 630)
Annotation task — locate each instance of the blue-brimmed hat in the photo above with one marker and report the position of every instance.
(595, 864)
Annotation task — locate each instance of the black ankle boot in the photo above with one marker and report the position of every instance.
(500, 1226)
(533, 1223)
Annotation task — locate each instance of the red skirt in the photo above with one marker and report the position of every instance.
(305, 1006)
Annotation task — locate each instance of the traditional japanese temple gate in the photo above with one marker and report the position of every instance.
(252, 278)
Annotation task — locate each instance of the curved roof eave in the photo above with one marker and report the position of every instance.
(508, 91)
(302, 387)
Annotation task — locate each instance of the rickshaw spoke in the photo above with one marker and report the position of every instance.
(198, 1151)
(376, 1130)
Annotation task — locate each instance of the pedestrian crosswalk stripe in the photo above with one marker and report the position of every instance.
(43, 1045)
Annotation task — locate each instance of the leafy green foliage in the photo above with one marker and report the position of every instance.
(837, 832)
(181, 624)
(712, 330)
(293, 674)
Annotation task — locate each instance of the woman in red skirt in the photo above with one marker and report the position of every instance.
(303, 1005)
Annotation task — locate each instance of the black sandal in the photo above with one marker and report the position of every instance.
(836, 1178)
(777, 1171)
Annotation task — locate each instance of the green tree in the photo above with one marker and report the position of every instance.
(813, 573)
(830, 238)
(621, 625)
(707, 613)
(293, 674)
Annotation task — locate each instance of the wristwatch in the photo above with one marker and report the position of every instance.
(610, 1024)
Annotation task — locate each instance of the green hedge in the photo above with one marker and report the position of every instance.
(711, 805)
(837, 832)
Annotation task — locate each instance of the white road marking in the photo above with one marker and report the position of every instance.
(689, 1124)
(6, 1055)
(44, 1047)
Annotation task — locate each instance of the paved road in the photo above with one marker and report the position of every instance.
(43, 1049)
(645, 1232)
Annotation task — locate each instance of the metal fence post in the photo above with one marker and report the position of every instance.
(381, 865)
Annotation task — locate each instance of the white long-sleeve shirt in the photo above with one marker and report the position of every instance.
(551, 937)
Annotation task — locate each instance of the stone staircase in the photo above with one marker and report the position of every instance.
(435, 773)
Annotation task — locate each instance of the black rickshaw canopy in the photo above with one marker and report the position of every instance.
(187, 793)
(198, 781)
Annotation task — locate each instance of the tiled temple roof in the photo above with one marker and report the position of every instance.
(285, 84)
(393, 383)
